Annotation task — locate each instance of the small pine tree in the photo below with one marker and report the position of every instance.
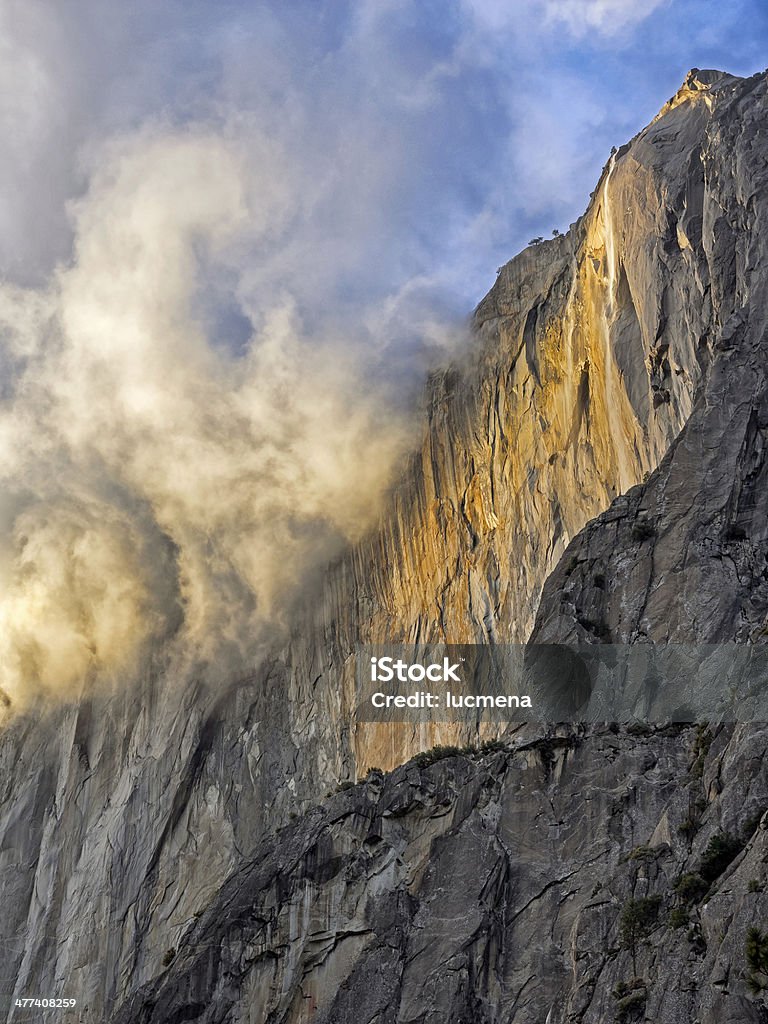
(637, 920)
(757, 950)
(721, 850)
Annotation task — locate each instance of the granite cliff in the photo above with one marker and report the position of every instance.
(592, 470)
(599, 877)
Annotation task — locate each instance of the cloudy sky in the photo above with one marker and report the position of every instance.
(232, 235)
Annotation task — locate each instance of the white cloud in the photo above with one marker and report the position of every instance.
(608, 17)
(214, 314)
(146, 472)
(542, 17)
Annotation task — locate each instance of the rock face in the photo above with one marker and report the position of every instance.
(613, 404)
(498, 888)
(684, 555)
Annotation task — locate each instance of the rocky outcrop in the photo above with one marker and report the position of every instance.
(683, 556)
(615, 380)
(577, 877)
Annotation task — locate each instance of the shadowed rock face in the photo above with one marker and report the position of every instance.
(617, 373)
(494, 888)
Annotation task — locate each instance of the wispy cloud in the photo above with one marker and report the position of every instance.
(609, 17)
(156, 484)
(606, 17)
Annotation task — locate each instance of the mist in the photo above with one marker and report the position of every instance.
(156, 483)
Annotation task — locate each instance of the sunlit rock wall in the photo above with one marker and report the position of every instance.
(589, 350)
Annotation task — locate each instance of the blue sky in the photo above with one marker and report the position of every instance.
(429, 138)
